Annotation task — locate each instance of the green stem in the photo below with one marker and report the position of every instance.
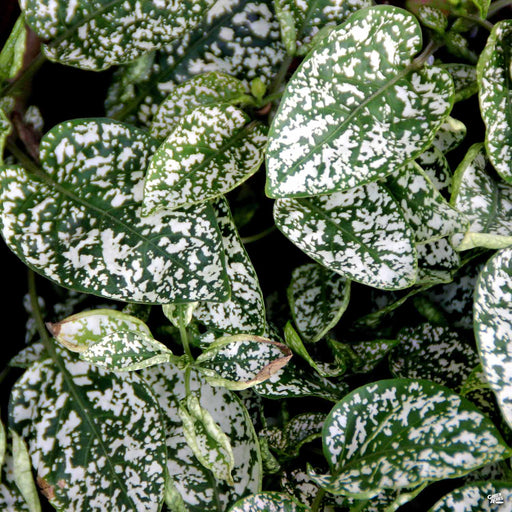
(25, 76)
(315, 506)
(497, 6)
(477, 20)
(422, 58)
(258, 236)
(184, 336)
(281, 75)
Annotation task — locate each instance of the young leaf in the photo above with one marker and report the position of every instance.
(432, 18)
(424, 209)
(5, 131)
(437, 262)
(486, 203)
(433, 353)
(400, 433)
(240, 38)
(22, 473)
(198, 490)
(93, 437)
(11, 56)
(333, 130)
(308, 18)
(244, 312)
(269, 502)
(11, 498)
(81, 227)
(204, 437)
(210, 152)
(242, 361)
(436, 167)
(318, 298)
(477, 497)
(78, 332)
(450, 135)
(126, 351)
(493, 317)
(359, 234)
(180, 313)
(464, 80)
(208, 89)
(102, 34)
(493, 75)
(474, 381)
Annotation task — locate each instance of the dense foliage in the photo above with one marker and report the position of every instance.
(364, 362)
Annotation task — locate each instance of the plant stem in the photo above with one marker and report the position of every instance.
(315, 506)
(25, 75)
(281, 75)
(258, 236)
(478, 21)
(497, 6)
(184, 336)
(420, 60)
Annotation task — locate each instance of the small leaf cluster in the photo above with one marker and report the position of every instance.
(163, 369)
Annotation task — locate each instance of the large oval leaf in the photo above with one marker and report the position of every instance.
(358, 233)
(210, 152)
(238, 37)
(100, 34)
(493, 320)
(194, 483)
(493, 76)
(268, 502)
(93, 437)
(400, 433)
(354, 112)
(82, 227)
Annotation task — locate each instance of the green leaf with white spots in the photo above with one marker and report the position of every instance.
(308, 18)
(474, 381)
(293, 381)
(433, 353)
(493, 75)
(423, 207)
(450, 135)
(98, 35)
(238, 37)
(29, 355)
(464, 79)
(211, 151)
(318, 298)
(493, 317)
(485, 201)
(478, 497)
(78, 332)
(244, 312)
(11, 56)
(350, 112)
(180, 313)
(295, 343)
(437, 262)
(210, 444)
(82, 229)
(208, 89)
(93, 436)
(198, 490)
(126, 351)
(22, 472)
(358, 233)
(432, 18)
(268, 502)
(400, 433)
(242, 361)
(436, 167)
(5, 131)
(11, 498)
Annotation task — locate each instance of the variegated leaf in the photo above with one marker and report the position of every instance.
(93, 437)
(205, 438)
(424, 209)
(244, 312)
(268, 502)
(493, 318)
(208, 89)
(11, 498)
(400, 433)
(294, 341)
(333, 130)
(359, 233)
(486, 202)
(294, 382)
(436, 167)
(11, 56)
(474, 381)
(433, 353)
(126, 351)
(102, 34)
(29, 355)
(310, 17)
(242, 361)
(432, 18)
(194, 484)
(238, 37)
(210, 152)
(81, 227)
(493, 75)
(478, 497)
(78, 332)
(437, 262)
(180, 314)
(318, 298)
(450, 135)
(5, 131)
(464, 79)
